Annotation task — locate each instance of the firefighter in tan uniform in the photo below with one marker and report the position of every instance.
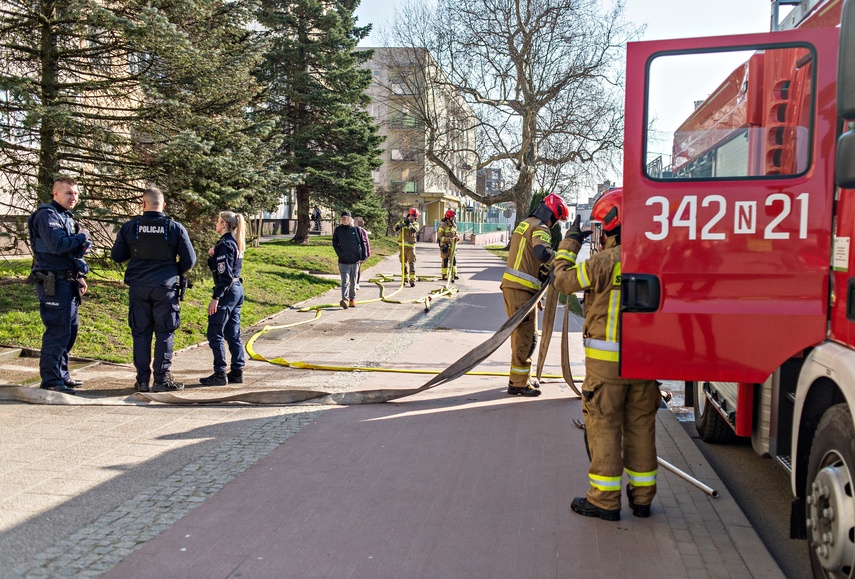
(446, 235)
(408, 228)
(530, 251)
(620, 414)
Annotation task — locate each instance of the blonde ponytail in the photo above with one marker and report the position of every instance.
(236, 225)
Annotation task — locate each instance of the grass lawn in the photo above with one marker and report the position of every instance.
(274, 278)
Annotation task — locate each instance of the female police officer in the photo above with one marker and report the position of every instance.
(225, 261)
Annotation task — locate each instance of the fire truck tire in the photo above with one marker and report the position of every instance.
(830, 504)
(711, 426)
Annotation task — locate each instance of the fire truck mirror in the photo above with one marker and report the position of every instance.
(846, 64)
(844, 170)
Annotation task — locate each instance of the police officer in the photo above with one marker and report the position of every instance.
(531, 250)
(620, 414)
(160, 253)
(446, 235)
(409, 227)
(58, 246)
(225, 261)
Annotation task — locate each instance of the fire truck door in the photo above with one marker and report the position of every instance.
(728, 190)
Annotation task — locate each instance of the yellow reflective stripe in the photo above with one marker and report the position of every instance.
(409, 244)
(642, 479)
(614, 316)
(521, 278)
(520, 370)
(542, 235)
(522, 228)
(566, 254)
(616, 274)
(605, 346)
(520, 251)
(605, 483)
(582, 275)
(596, 354)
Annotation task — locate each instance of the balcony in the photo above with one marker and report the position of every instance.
(405, 122)
(406, 155)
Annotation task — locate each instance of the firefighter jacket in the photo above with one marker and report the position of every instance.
(523, 267)
(409, 229)
(446, 233)
(599, 276)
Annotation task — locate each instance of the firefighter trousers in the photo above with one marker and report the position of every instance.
(409, 260)
(620, 422)
(523, 340)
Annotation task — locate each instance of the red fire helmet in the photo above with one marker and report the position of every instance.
(607, 209)
(556, 204)
(414, 213)
(450, 214)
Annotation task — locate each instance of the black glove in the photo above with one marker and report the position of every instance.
(543, 273)
(443, 247)
(575, 232)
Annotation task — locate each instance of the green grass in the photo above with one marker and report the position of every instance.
(274, 278)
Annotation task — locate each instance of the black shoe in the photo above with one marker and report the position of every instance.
(526, 390)
(412, 283)
(583, 507)
(215, 379)
(141, 386)
(73, 383)
(343, 304)
(235, 377)
(167, 385)
(637, 510)
(62, 389)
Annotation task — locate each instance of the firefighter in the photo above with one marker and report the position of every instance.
(526, 270)
(446, 235)
(620, 413)
(408, 227)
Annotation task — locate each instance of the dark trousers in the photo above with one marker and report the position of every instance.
(153, 311)
(59, 316)
(224, 328)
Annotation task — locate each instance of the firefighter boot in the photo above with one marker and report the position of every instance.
(531, 388)
(235, 376)
(583, 507)
(637, 510)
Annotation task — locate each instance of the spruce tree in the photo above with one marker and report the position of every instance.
(121, 93)
(316, 94)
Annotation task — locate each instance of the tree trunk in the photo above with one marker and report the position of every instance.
(302, 233)
(48, 140)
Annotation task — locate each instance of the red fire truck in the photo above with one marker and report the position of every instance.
(737, 272)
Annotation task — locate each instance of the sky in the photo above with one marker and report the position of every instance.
(662, 19)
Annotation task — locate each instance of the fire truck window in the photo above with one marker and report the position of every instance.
(730, 115)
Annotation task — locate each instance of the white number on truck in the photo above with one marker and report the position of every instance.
(745, 217)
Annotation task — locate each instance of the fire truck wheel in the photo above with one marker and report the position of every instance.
(830, 504)
(711, 426)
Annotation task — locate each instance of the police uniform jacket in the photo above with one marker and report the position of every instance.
(159, 250)
(446, 232)
(523, 267)
(225, 264)
(600, 276)
(54, 239)
(410, 228)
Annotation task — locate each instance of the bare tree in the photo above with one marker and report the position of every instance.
(543, 78)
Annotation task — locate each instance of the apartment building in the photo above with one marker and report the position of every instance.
(409, 102)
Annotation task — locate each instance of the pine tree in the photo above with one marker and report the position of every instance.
(316, 93)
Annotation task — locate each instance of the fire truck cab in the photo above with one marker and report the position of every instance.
(739, 209)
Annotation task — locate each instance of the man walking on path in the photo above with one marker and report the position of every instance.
(160, 253)
(350, 249)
